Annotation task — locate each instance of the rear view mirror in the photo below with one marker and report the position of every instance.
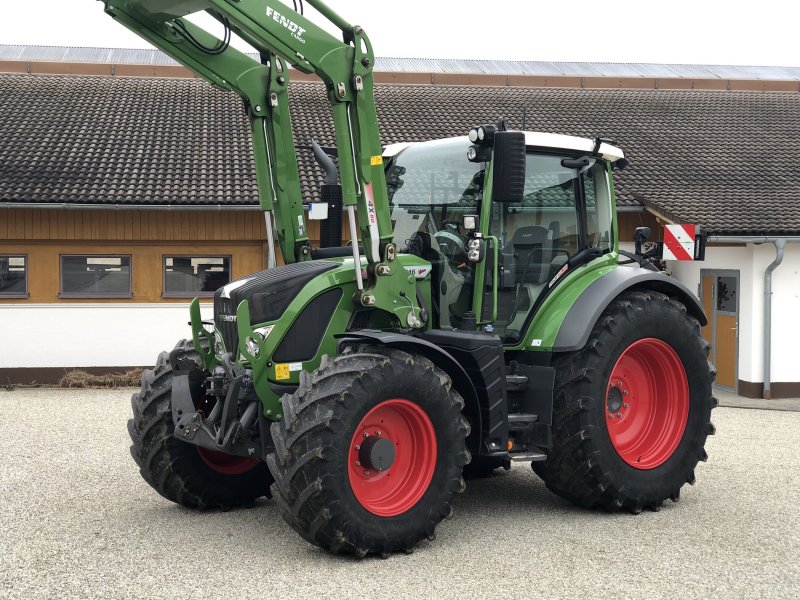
(508, 166)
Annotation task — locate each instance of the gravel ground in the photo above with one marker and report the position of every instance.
(76, 520)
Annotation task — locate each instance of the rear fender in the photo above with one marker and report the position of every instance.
(581, 317)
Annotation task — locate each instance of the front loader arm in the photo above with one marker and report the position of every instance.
(282, 36)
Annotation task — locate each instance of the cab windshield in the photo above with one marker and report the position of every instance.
(431, 187)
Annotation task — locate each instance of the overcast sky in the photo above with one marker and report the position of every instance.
(673, 31)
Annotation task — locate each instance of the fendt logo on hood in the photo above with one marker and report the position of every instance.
(294, 28)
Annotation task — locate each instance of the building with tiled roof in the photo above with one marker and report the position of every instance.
(172, 157)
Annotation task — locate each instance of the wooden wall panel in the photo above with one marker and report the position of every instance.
(173, 225)
(130, 226)
(627, 222)
(146, 265)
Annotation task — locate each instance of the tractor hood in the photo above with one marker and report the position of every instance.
(268, 292)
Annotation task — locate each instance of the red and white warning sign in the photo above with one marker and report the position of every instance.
(679, 242)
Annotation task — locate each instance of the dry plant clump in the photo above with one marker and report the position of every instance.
(82, 379)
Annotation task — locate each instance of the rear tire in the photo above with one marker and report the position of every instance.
(181, 472)
(403, 408)
(631, 408)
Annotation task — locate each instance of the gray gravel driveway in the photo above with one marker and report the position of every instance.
(76, 520)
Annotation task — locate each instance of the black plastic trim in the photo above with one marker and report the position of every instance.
(303, 338)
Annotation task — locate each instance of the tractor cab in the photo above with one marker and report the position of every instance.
(563, 219)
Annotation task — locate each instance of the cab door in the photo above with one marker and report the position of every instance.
(566, 208)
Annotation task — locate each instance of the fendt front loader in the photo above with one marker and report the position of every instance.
(480, 313)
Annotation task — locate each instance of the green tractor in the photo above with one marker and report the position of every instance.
(481, 313)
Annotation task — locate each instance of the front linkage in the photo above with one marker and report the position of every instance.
(235, 423)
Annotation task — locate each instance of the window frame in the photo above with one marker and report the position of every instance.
(166, 294)
(63, 294)
(612, 242)
(26, 293)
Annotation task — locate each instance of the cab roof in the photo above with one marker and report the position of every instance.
(535, 139)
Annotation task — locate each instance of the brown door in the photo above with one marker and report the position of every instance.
(720, 291)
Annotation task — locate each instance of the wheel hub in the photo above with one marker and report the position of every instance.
(614, 400)
(376, 453)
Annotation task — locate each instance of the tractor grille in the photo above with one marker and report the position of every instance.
(230, 335)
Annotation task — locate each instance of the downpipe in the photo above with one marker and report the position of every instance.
(779, 246)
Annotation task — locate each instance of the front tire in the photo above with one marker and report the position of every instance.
(631, 408)
(369, 453)
(181, 472)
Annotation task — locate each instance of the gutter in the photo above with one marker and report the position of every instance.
(779, 242)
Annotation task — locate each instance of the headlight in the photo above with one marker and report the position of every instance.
(219, 345)
(252, 343)
(264, 331)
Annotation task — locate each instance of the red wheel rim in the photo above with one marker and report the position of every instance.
(390, 485)
(647, 403)
(227, 464)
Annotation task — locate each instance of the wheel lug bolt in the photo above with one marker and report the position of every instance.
(366, 434)
(619, 415)
(378, 432)
(624, 392)
(625, 405)
(358, 463)
(358, 447)
(366, 471)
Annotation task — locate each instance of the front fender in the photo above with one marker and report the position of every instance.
(438, 356)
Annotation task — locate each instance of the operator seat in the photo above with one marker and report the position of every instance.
(526, 266)
(527, 256)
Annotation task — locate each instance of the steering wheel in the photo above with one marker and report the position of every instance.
(451, 244)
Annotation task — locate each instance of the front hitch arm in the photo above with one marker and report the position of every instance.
(229, 435)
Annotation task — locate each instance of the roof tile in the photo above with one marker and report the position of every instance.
(722, 159)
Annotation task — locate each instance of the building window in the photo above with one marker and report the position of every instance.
(14, 276)
(189, 276)
(96, 277)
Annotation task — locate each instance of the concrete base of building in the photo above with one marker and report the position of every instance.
(778, 389)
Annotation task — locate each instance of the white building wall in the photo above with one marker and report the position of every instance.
(751, 261)
(785, 310)
(91, 335)
(128, 334)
